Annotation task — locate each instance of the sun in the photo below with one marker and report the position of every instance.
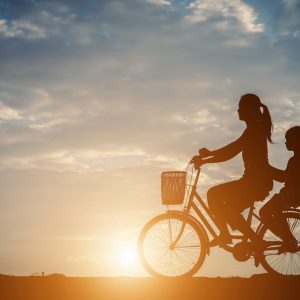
(127, 256)
(126, 260)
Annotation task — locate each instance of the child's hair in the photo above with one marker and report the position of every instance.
(294, 134)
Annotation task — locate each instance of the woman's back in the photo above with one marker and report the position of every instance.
(255, 150)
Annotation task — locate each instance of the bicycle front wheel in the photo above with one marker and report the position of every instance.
(172, 245)
(274, 259)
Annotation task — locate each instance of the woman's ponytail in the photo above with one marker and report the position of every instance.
(267, 122)
(253, 105)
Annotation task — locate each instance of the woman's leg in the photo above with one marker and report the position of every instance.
(216, 197)
(226, 202)
(239, 222)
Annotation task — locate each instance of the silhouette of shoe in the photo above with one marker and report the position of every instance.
(257, 259)
(258, 249)
(290, 246)
(221, 240)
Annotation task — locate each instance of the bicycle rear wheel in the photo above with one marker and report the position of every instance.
(172, 245)
(274, 259)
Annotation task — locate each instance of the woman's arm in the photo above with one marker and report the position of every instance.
(278, 174)
(225, 153)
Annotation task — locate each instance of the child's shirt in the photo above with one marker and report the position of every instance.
(292, 180)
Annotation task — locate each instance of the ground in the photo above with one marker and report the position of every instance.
(59, 287)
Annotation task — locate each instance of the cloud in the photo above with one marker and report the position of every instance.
(288, 23)
(160, 2)
(21, 28)
(281, 19)
(107, 94)
(47, 125)
(8, 113)
(85, 160)
(236, 9)
(22, 97)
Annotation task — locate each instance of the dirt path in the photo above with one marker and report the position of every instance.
(65, 288)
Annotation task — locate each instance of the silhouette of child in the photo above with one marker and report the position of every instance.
(289, 196)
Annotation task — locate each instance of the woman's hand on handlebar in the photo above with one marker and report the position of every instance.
(204, 152)
(197, 161)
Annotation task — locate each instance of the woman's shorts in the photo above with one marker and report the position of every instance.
(240, 194)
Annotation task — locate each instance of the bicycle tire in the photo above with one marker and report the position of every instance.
(279, 262)
(154, 246)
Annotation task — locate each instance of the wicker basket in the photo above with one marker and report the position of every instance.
(173, 187)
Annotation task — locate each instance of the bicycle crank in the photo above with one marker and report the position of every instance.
(242, 251)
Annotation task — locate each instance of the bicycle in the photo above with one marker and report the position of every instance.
(176, 243)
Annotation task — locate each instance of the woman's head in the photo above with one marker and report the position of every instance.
(249, 108)
(292, 137)
(252, 110)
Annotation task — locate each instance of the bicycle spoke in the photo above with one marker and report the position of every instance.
(170, 232)
(275, 258)
(294, 225)
(172, 260)
(191, 246)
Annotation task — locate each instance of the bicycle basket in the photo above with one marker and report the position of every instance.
(173, 187)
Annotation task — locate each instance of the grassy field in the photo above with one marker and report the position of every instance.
(65, 288)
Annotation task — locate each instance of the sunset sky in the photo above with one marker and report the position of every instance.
(97, 98)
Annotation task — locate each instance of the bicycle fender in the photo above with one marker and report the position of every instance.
(201, 227)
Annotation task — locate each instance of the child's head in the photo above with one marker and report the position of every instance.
(292, 137)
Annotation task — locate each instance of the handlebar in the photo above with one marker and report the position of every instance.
(197, 161)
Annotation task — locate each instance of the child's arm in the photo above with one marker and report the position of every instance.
(278, 174)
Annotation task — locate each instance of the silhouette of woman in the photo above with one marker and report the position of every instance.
(226, 201)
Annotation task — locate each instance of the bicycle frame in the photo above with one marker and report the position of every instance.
(191, 204)
(187, 233)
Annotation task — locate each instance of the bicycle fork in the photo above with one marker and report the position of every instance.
(173, 244)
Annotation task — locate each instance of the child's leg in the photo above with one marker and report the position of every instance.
(272, 215)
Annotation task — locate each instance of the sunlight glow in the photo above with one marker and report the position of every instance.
(127, 257)
(127, 260)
